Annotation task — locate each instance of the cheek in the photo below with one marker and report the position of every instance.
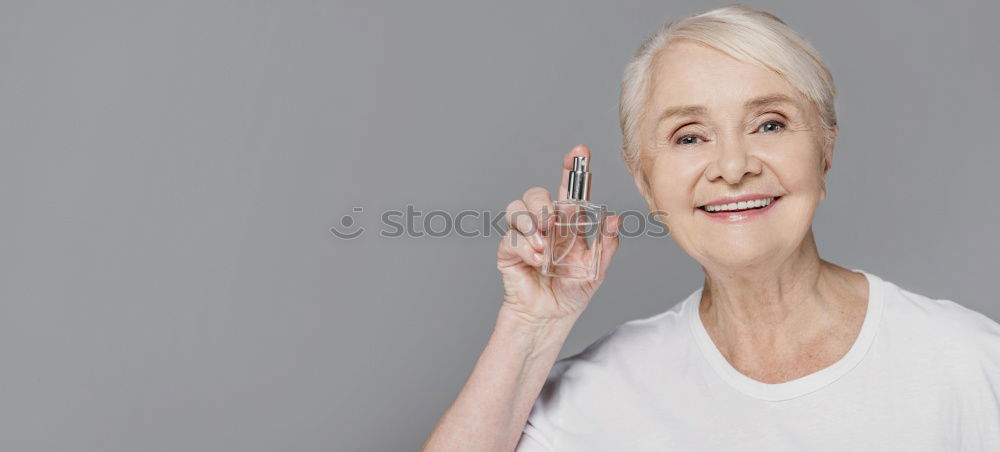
(796, 166)
(672, 179)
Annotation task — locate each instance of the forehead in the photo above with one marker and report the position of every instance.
(690, 73)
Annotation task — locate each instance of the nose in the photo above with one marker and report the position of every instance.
(733, 161)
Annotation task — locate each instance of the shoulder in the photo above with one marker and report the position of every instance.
(629, 345)
(943, 315)
(942, 323)
(611, 373)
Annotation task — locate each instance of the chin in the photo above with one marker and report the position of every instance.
(738, 255)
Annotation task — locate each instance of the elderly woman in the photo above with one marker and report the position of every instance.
(728, 125)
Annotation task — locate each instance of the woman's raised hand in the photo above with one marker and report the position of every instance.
(528, 294)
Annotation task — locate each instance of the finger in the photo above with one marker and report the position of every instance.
(523, 221)
(611, 242)
(578, 151)
(539, 204)
(515, 248)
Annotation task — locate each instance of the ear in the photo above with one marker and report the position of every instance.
(828, 150)
(828, 159)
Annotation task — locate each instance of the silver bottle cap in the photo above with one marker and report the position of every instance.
(578, 187)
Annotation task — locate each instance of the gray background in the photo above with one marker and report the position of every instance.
(169, 172)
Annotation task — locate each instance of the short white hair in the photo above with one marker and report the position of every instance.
(744, 33)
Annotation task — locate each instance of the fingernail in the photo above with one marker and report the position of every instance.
(538, 257)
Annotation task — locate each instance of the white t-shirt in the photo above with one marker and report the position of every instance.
(922, 375)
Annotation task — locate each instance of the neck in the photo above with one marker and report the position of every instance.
(767, 293)
(775, 311)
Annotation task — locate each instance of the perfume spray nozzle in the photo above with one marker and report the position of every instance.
(578, 187)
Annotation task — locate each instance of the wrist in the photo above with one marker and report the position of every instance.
(536, 337)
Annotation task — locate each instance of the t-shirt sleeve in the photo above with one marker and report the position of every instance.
(532, 441)
(535, 436)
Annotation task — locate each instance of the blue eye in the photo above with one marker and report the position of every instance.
(771, 126)
(687, 139)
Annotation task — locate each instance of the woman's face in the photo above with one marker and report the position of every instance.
(719, 131)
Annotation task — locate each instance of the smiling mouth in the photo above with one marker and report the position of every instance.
(753, 204)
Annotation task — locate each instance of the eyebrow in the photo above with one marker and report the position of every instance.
(757, 102)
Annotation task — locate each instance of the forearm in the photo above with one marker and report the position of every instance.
(492, 408)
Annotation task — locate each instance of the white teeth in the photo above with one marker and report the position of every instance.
(739, 205)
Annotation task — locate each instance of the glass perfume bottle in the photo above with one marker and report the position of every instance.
(574, 242)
